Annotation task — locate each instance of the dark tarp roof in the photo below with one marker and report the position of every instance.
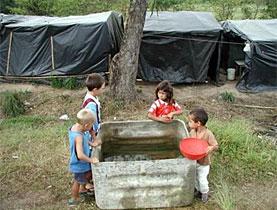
(261, 61)
(181, 47)
(81, 44)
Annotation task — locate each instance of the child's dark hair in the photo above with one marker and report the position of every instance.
(168, 89)
(94, 80)
(199, 115)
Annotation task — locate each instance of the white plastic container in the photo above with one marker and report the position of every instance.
(231, 73)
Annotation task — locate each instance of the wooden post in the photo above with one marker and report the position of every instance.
(52, 53)
(9, 53)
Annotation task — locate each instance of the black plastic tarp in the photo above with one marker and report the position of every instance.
(181, 47)
(45, 46)
(261, 58)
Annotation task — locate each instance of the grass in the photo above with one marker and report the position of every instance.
(34, 161)
(227, 97)
(242, 153)
(224, 196)
(34, 158)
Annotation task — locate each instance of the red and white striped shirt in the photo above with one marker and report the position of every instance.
(160, 108)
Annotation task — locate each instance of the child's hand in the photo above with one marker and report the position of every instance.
(96, 142)
(170, 115)
(94, 160)
(209, 149)
(165, 119)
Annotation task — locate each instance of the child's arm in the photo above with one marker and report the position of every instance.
(178, 112)
(79, 150)
(213, 145)
(96, 142)
(92, 133)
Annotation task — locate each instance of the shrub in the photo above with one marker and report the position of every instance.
(227, 97)
(12, 104)
(67, 83)
(71, 83)
(56, 82)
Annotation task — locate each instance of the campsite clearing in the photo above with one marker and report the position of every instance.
(34, 147)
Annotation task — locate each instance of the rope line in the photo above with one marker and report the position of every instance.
(203, 40)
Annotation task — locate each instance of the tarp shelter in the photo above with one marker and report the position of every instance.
(260, 57)
(44, 46)
(182, 47)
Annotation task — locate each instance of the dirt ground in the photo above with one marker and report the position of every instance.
(260, 108)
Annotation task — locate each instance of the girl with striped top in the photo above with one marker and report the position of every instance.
(164, 107)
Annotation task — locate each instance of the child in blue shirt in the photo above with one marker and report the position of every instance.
(79, 142)
(95, 87)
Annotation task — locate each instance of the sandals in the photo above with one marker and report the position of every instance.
(90, 189)
(89, 186)
(89, 192)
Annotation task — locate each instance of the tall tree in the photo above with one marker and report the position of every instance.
(33, 7)
(6, 5)
(271, 8)
(124, 66)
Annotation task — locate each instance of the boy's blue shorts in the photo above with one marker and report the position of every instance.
(81, 177)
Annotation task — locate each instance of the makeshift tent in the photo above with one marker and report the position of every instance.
(181, 47)
(44, 46)
(260, 54)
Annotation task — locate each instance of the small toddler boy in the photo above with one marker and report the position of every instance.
(79, 141)
(197, 121)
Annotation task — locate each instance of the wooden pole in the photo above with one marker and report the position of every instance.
(255, 106)
(9, 53)
(52, 54)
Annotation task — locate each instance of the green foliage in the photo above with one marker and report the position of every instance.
(251, 8)
(223, 9)
(12, 103)
(67, 83)
(232, 9)
(241, 153)
(160, 5)
(224, 197)
(271, 9)
(83, 7)
(227, 97)
(71, 83)
(34, 7)
(56, 82)
(6, 5)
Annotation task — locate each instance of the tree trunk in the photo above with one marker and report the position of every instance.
(124, 65)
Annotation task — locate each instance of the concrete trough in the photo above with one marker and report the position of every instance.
(141, 167)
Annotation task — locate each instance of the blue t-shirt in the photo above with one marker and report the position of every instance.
(76, 165)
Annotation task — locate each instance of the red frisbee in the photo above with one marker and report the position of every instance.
(193, 148)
